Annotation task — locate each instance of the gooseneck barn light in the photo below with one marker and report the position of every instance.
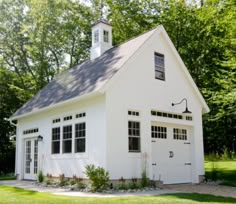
(186, 109)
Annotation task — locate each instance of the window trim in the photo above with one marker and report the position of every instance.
(159, 69)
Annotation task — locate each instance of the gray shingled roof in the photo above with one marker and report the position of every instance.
(85, 78)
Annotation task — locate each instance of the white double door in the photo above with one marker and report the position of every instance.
(30, 158)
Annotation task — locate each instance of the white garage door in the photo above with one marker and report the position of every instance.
(171, 157)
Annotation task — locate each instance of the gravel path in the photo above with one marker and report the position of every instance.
(212, 189)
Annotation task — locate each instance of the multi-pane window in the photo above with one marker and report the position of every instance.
(159, 66)
(56, 140)
(134, 136)
(180, 134)
(106, 36)
(134, 113)
(30, 131)
(159, 132)
(67, 139)
(80, 115)
(80, 135)
(68, 118)
(57, 120)
(35, 156)
(96, 36)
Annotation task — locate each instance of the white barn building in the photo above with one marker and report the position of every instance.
(115, 111)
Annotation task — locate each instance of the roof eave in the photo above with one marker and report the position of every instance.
(73, 100)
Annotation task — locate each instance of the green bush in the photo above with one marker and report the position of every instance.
(40, 177)
(144, 180)
(98, 177)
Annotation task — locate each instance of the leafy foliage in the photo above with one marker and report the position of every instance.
(98, 177)
(41, 38)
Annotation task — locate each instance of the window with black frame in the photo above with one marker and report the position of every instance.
(159, 66)
(134, 136)
(67, 139)
(56, 140)
(80, 137)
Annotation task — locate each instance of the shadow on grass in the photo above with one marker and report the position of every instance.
(227, 176)
(201, 197)
(18, 190)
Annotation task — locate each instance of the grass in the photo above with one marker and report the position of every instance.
(10, 195)
(224, 170)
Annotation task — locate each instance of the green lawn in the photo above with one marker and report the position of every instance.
(222, 170)
(13, 195)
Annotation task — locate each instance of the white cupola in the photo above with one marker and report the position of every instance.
(101, 38)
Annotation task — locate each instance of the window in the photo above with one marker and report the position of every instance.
(30, 131)
(189, 118)
(159, 67)
(167, 115)
(80, 115)
(159, 132)
(106, 36)
(56, 120)
(96, 36)
(80, 134)
(180, 134)
(56, 140)
(68, 118)
(134, 136)
(67, 139)
(134, 113)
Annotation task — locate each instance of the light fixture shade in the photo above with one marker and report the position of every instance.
(187, 111)
(40, 138)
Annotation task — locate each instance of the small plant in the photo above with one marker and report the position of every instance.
(40, 177)
(49, 182)
(98, 177)
(63, 181)
(144, 180)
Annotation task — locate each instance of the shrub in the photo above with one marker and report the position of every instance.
(144, 180)
(40, 177)
(98, 177)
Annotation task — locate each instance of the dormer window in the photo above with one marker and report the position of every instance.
(106, 36)
(96, 36)
(159, 67)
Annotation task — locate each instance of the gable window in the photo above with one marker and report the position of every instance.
(96, 36)
(56, 140)
(134, 136)
(80, 134)
(106, 36)
(67, 139)
(159, 67)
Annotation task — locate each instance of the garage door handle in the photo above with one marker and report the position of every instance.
(187, 143)
(154, 164)
(153, 141)
(187, 163)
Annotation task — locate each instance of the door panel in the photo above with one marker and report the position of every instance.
(31, 159)
(171, 157)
